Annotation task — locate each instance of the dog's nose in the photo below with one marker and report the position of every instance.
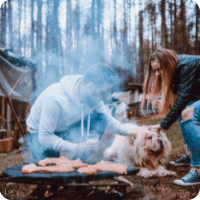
(161, 143)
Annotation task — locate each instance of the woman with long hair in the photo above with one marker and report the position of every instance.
(175, 80)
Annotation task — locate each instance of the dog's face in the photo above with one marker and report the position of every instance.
(150, 147)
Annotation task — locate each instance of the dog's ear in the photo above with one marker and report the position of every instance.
(150, 128)
(132, 137)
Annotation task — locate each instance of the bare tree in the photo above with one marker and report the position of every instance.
(197, 45)
(10, 21)
(32, 29)
(77, 51)
(183, 29)
(25, 31)
(151, 9)
(69, 68)
(141, 56)
(175, 38)
(39, 46)
(171, 24)
(164, 35)
(19, 25)
(114, 34)
(3, 24)
(39, 27)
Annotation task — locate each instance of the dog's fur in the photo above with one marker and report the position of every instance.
(145, 149)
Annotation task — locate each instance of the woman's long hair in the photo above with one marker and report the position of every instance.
(160, 86)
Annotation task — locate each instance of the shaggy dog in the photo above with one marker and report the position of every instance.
(145, 149)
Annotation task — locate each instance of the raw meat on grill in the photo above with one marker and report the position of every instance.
(66, 165)
(32, 168)
(89, 170)
(103, 166)
(63, 161)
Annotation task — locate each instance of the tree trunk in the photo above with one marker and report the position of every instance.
(197, 51)
(32, 30)
(25, 30)
(175, 26)
(19, 25)
(77, 52)
(114, 35)
(69, 69)
(184, 37)
(141, 56)
(39, 46)
(3, 24)
(10, 21)
(171, 26)
(164, 38)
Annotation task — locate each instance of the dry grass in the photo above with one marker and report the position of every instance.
(156, 185)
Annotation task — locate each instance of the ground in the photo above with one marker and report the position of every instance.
(156, 185)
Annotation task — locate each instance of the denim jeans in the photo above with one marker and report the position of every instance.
(190, 128)
(98, 124)
(39, 152)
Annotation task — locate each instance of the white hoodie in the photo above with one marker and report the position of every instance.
(58, 107)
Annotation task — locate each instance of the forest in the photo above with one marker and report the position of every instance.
(67, 36)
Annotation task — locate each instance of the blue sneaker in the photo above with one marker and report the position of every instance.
(192, 178)
(183, 161)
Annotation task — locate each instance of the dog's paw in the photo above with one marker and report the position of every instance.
(145, 173)
(171, 173)
(163, 173)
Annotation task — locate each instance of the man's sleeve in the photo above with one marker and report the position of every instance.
(50, 115)
(187, 78)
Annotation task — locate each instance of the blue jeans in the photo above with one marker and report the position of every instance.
(39, 152)
(98, 124)
(190, 128)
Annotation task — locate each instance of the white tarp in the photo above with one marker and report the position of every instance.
(16, 82)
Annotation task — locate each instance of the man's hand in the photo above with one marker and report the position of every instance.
(155, 127)
(87, 147)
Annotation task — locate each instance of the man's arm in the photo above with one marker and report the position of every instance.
(113, 125)
(50, 115)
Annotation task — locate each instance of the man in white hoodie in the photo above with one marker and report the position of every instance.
(65, 111)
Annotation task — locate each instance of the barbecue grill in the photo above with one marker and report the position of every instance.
(72, 179)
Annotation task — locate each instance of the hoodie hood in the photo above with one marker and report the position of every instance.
(70, 85)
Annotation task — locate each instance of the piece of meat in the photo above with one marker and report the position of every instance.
(57, 169)
(104, 166)
(64, 164)
(32, 168)
(63, 161)
(48, 161)
(89, 170)
(111, 167)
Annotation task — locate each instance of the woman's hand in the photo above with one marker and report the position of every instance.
(155, 127)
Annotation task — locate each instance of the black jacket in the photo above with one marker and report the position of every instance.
(186, 84)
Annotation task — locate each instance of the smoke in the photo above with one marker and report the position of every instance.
(75, 43)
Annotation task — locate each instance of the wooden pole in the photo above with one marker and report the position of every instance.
(9, 120)
(12, 109)
(16, 135)
(15, 115)
(3, 112)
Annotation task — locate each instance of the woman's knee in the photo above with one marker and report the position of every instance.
(187, 113)
(191, 112)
